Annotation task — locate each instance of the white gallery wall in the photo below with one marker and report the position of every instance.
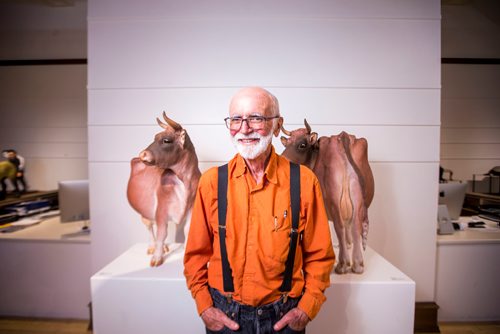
(44, 119)
(43, 108)
(470, 119)
(371, 68)
(470, 115)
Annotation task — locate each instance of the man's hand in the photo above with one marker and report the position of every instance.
(215, 320)
(296, 319)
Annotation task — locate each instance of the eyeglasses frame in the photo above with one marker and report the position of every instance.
(266, 118)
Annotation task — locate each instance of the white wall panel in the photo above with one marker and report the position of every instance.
(411, 9)
(470, 136)
(44, 118)
(470, 81)
(455, 108)
(470, 120)
(46, 82)
(318, 105)
(52, 150)
(464, 168)
(57, 112)
(331, 53)
(475, 117)
(470, 151)
(212, 142)
(44, 173)
(403, 219)
(44, 134)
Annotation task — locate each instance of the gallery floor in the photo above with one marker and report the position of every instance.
(44, 326)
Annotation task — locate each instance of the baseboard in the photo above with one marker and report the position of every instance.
(426, 317)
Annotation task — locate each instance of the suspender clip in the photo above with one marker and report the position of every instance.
(229, 298)
(293, 231)
(285, 297)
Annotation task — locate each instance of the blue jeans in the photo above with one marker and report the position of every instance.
(254, 320)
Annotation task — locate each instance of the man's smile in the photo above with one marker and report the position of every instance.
(248, 141)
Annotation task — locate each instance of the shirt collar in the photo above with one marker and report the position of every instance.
(240, 167)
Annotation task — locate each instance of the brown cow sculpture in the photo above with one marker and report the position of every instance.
(162, 185)
(341, 164)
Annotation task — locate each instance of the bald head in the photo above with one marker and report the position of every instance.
(258, 97)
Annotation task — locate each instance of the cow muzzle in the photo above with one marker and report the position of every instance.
(147, 158)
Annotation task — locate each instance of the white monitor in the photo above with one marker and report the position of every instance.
(73, 198)
(452, 195)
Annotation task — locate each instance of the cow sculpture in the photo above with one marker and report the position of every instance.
(162, 185)
(341, 164)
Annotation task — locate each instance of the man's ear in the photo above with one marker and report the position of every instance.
(276, 131)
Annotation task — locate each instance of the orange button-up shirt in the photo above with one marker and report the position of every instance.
(257, 237)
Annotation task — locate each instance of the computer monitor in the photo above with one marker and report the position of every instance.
(452, 195)
(73, 196)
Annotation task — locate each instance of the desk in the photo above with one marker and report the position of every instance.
(129, 297)
(45, 271)
(468, 274)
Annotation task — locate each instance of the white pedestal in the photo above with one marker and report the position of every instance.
(128, 296)
(45, 271)
(468, 273)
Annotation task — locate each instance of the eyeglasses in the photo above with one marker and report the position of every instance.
(255, 122)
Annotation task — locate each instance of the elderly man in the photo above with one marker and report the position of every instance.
(261, 262)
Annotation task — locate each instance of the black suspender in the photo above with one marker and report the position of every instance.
(294, 233)
(227, 275)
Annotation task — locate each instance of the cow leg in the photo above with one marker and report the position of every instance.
(344, 262)
(180, 236)
(152, 239)
(357, 254)
(160, 248)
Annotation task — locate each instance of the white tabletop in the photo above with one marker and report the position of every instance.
(49, 230)
(489, 234)
(134, 263)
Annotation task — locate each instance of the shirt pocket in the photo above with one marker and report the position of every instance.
(275, 243)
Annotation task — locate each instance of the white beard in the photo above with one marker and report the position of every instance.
(251, 152)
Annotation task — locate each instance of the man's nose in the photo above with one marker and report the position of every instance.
(245, 128)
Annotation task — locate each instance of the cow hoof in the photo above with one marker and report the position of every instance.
(156, 262)
(342, 269)
(165, 249)
(358, 268)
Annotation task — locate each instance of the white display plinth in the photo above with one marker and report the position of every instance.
(45, 271)
(468, 273)
(128, 296)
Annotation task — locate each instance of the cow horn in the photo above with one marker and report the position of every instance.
(288, 133)
(165, 126)
(172, 123)
(308, 127)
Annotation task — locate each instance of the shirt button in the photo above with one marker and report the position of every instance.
(259, 312)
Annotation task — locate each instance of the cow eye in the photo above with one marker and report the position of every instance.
(166, 141)
(302, 146)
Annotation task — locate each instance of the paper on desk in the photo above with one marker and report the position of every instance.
(26, 222)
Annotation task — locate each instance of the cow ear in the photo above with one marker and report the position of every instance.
(182, 138)
(284, 141)
(313, 138)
